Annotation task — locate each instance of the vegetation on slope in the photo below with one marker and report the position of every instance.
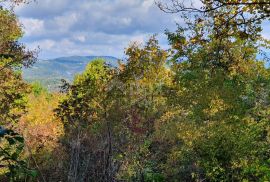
(196, 112)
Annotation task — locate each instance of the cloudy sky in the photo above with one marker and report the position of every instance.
(91, 27)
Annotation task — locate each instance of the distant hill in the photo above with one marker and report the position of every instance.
(50, 72)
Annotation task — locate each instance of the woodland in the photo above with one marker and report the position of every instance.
(198, 111)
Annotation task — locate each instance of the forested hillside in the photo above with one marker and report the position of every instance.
(198, 111)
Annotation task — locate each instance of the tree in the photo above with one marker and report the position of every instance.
(140, 103)
(42, 132)
(110, 114)
(88, 131)
(258, 8)
(244, 16)
(15, 2)
(13, 56)
(219, 88)
(13, 90)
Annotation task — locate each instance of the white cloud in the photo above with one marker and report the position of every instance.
(126, 21)
(96, 26)
(80, 38)
(32, 26)
(65, 22)
(147, 4)
(45, 45)
(114, 46)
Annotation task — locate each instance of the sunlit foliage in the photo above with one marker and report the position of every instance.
(198, 111)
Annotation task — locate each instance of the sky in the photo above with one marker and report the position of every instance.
(94, 27)
(91, 27)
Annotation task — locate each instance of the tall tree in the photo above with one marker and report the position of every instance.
(84, 113)
(13, 90)
(110, 114)
(219, 87)
(140, 103)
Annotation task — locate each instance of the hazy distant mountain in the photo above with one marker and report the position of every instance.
(50, 72)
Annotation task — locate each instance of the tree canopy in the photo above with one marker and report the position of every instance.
(198, 111)
(13, 90)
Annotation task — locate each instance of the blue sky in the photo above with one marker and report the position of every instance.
(91, 27)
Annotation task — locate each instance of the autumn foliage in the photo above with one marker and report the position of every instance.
(198, 111)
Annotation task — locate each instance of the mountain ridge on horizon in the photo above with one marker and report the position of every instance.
(50, 72)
